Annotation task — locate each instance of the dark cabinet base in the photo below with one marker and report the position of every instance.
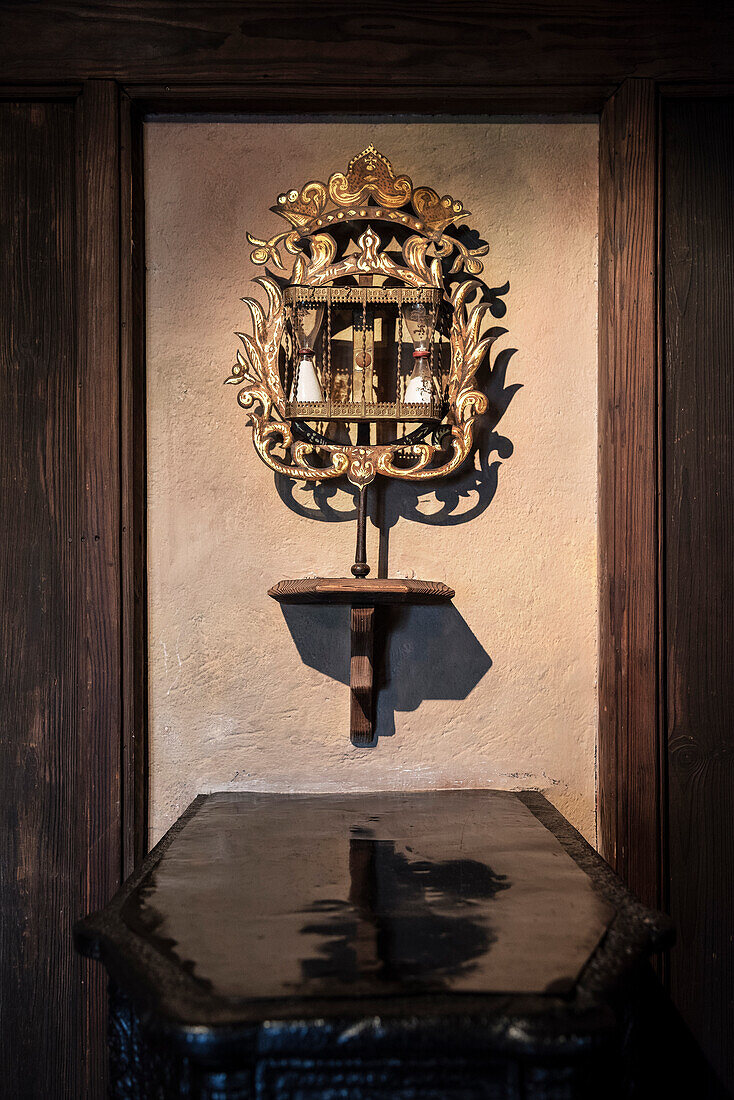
(148, 1065)
(456, 945)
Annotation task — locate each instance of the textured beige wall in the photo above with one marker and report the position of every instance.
(498, 690)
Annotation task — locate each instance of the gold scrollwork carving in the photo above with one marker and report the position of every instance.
(369, 176)
(350, 196)
(437, 213)
(300, 207)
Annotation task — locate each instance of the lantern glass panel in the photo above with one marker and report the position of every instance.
(420, 320)
(308, 321)
(306, 384)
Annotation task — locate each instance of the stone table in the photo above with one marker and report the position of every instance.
(449, 944)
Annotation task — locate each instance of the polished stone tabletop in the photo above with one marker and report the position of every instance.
(272, 896)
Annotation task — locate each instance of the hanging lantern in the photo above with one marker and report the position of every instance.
(378, 324)
(364, 363)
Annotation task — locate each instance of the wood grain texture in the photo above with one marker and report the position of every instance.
(366, 591)
(55, 826)
(361, 675)
(461, 44)
(38, 790)
(445, 97)
(99, 699)
(629, 797)
(60, 609)
(133, 490)
(699, 459)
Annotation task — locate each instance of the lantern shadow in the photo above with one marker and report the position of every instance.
(442, 503)
(411, 642)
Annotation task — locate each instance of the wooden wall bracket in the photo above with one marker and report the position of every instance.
(361, 675)
(363, 595)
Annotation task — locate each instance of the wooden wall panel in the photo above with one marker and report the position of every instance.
(99, 623)
(59, 558)
(630, 809)
(450, 46)
(699, 482)
(133, 489)
(40, 771)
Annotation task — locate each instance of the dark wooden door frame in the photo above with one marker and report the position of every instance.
(110, 701)
(631, 750)
(60, 714)
(631, 753)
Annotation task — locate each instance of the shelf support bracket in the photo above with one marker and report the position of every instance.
(361, 675)
(363, 595)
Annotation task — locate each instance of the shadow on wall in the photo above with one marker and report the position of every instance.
(411, 643)
(391, 500)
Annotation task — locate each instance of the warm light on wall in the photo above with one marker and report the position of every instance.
(330, 380)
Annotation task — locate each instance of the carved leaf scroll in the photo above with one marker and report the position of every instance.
(369, 179)
(370, 176)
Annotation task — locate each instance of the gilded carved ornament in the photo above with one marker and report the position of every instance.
(368, 194)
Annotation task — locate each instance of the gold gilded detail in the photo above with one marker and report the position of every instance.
(369, 176)
(300, 207)
(437, 213)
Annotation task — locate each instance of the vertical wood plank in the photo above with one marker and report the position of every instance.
(361, 675)
(99, 715)
(629, 758)
(699, 453)
(133, 490)
(60, 750)
(60, 580)
(39, 786)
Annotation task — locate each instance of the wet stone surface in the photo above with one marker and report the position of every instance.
(268, 896)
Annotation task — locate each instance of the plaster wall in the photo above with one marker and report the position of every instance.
(498, 690)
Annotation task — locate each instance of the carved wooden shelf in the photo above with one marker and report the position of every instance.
(363, 595)
(362, 592)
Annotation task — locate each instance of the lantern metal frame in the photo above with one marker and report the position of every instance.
(368, 194)
(362, 299)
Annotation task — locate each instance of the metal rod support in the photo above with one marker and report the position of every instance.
(360, 567)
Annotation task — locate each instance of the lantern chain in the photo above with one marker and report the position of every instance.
(364, 340)
(399, 379)
(288, 374)
(434, 385)
(328, 351)
(297, 358)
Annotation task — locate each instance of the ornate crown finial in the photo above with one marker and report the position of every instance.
(370, 191)
(370, 175)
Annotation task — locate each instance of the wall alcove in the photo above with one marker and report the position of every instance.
(497, 689)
